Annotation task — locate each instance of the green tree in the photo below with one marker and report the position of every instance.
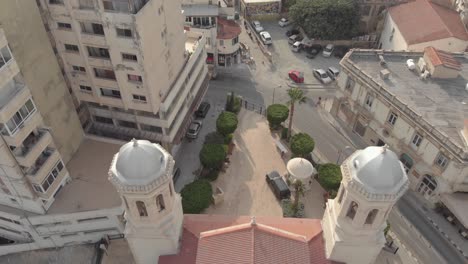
(298, 192)
(226, 123)
(277, 114)
(329, 176)
(327, 19)
(233, 103)
(212, 156)
(302, 144)
(196, 196)
(296, 95)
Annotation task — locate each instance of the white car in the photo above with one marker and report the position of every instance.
(283, 22)
(322, 76)
(257, 26)
(328, 50)
(266, 38)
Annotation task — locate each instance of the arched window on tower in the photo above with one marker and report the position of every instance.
(141, 208)
(371, 216)
(353, 207)
(160, 202)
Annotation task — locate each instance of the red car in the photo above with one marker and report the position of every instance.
(296, 76)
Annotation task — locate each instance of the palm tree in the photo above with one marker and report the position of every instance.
(298, 192)
(296, 95)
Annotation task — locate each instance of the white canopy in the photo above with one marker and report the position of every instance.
(300, 168)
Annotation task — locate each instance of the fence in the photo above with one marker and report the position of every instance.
(254, 107)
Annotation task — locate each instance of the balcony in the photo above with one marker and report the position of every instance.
(24, 130)
(32, 147)
(43, 165)
(124, 6)
(12, 95)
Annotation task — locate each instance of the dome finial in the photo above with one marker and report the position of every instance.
(384, 148)
(252, 221)
(135, 142)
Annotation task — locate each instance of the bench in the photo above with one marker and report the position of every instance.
(281, 147)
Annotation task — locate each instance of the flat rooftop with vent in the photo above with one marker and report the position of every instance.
(433, 84)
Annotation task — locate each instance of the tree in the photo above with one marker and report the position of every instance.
(226, 123)
(329, 176)
(233, 103)
(327, 19)
(212, 156)
(296, 95)
(298, 192)
(277, 114)
(302, 144)
(196, 196)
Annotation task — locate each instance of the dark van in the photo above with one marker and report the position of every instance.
(278, 185)
(202, 110)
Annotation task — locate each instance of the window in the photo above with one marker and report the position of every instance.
(53, 174)
(110, 93)
(123, 5)
(98, 52)
(130, 57)
(92, 28)
(441, 160)
(369, 100)
(85, 88)
(235, 40)
(417, 139)
(16, 122)
(407, 162)
(371, 216)
(104, 73)
(160, 202)
(61, 25)
(72, 48)
(134, 78)
(128, 124)
(56, 2)
(340, 197)
(86, 4)
(353, 207)
(360, 128)
(349, 85)
(104, 120)
(141, 208)
(188, 19)
(221, 42)
(139, 97)
(123, 32)
(78, 68)
(151, 128)
(392, 118)
(37, 188)
(5, 56)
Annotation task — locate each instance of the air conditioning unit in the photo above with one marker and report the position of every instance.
(385, 74)
(382, 61)
(425, 75)
(422, 64)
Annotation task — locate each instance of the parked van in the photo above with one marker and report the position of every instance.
(266, 38)
(278, 186)
(296, 47)
(294, 38)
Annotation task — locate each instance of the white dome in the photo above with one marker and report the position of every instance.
(300, 168)
(379, 170)
(139, 162)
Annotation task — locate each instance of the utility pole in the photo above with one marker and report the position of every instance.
(274, 90)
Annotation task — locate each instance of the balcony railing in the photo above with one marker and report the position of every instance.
(124, 6)
(29, 143)
(41, 160)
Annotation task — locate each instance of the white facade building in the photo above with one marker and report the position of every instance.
(130, 64)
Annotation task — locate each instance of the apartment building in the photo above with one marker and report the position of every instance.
(133, 69)
(417, 103)
(215, 20)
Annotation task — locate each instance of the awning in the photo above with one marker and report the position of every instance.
(457, 203)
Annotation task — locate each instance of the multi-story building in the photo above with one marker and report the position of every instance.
(417, 103)
(372, 13)
(130, 64)
(216, 22)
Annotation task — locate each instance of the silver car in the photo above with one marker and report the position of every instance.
(194, 129)
(257, 26)
(322, 76)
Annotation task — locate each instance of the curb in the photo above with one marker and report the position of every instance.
(454, 244)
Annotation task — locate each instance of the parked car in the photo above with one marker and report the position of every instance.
(328, 50)
(278, 185)
(333, 73)
(294, 38)
(202, 110)
(257, 26)
(175, 175)
(194, 129)
(296, 47)
(340, 51)
(313, 51)
(291, 32)
(283, 22)
(266, 38)
(296, 76)
(322, 76)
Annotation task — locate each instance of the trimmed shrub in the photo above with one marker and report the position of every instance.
(233, 103)
(228, 139)
(226, 123)
(196, 196)
(284, 133)
(212, 156)
(329, 176)
(302, 144)
(277, 114)
(288, 210)
(214, 138)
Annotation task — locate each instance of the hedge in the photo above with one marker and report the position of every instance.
(329, 176)
(277, 114)
(212, 156)
(196, 196)
(226, 123)
(302, 144)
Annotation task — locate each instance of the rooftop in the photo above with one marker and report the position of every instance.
(228, 29)
(439, 57)
(89, 189)
(442, 103)
(421, 21)
(200, 10)
(239, 239)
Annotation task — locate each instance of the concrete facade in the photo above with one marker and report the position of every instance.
(427, 138)
(130, 66)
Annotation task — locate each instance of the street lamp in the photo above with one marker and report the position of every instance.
(341, 152)
(274, 89)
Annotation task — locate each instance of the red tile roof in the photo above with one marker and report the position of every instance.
(227, 29)
(227, 239)
(421, 21)
(439, 57)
